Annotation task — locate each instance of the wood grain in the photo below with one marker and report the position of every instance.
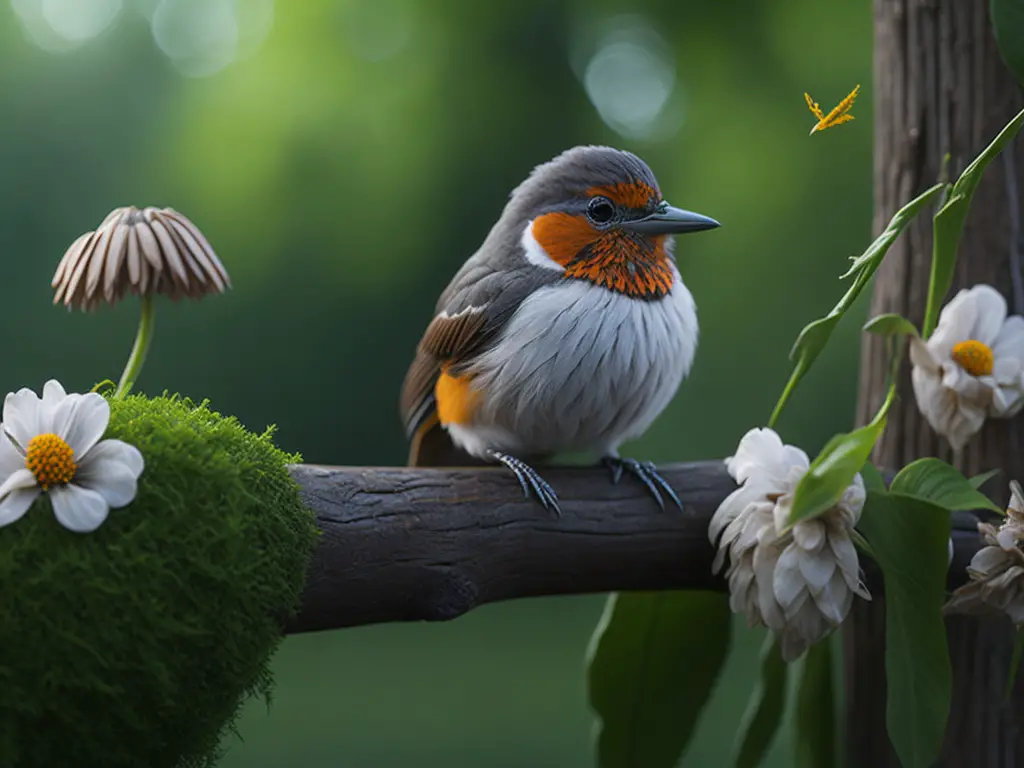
(430, 544)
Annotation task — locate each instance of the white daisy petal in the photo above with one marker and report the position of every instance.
(19, 479)
(79, 509)
(922, 357)
(10, 460)
(53, 393)
(846, 555)
(15, 504)
(795, 458)
(760, 450)
(57, 417)
(809, 535)
(1007, 538)
(991, 313)
(787, 583)
(956, 323)
(988, 561)
(89, 423)
(55, 408)
(1006, 370)
(734, 505)
(817, 569)
(21, 416)
(969, 389)
(1010, 341)
(964, 425)
(118, 451)
(112, 479)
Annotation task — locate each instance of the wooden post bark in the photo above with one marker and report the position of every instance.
(940, 87)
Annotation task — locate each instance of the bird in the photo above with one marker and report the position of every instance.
(569, 330)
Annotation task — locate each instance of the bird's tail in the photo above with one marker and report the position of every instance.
(432, 446)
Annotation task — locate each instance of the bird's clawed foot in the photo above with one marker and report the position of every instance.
(648, 475)
(529, 479)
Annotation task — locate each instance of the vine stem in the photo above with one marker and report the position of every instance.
(141, 346)
(1013, 203)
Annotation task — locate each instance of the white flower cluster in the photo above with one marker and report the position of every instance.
(971, 367)
(799, 583)
(996, 572)
(52, 445)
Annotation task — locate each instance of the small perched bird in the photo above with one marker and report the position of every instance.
(569, 330)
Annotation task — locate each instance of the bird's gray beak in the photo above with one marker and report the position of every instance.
(667, 220)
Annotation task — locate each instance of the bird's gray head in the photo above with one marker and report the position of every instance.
(597, 214)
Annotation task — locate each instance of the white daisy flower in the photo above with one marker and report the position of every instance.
(996, 572)
(53, 445)
(972, 366)
(801, 583)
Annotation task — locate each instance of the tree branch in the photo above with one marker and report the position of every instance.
(430, 544)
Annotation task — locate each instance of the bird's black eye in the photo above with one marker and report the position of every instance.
(600, 210)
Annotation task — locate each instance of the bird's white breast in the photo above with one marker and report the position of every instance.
(580, 368)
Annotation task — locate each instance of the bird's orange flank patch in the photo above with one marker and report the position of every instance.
(456, 399)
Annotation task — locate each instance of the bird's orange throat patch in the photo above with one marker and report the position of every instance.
(627, 262)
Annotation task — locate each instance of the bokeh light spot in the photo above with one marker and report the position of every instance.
(80, 20)
(630, 78)
(203, 37)
(58, 26)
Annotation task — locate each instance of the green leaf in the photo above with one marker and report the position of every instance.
(1008, 26)
(979, 480)
(815, 336)
(873, 480)
(815, 721)
(764, 710)
(834, 468)
(809, 343)
(910, 538)
(948, 225)
(652, 665)
(933, 480)
(873, 256)
(861, 543)
(891, 325)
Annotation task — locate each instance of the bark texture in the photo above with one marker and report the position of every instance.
(404, 544)
(940, 87)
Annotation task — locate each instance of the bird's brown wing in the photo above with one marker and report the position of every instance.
(470, 315)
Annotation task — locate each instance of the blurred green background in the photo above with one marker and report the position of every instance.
(344, 157)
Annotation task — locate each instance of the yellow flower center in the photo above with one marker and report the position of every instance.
(974, 357)
(51, 460)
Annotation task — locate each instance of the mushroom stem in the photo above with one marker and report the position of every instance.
(138, 355)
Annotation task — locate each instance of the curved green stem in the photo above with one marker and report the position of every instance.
(138, 355)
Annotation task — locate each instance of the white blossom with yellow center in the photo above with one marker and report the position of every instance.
(972, 366)
(53, 445)
(800, 583)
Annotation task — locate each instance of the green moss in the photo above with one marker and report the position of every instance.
(136, 645)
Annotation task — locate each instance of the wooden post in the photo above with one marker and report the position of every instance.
(940, 87)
